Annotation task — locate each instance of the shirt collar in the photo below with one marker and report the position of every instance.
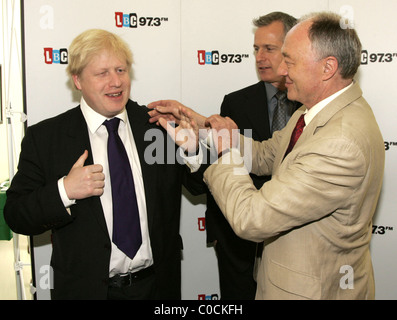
(313, 111)
(270, 90)
(94, 119)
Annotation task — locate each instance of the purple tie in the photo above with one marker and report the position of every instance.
(126, 226)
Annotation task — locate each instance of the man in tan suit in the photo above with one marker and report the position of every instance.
(316, 212)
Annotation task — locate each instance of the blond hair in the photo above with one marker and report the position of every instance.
(90, 43)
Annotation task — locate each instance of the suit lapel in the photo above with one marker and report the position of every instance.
(77, 140)
(77, 135)
(319, 120)
(286, 136)
(259, 115)
(335, 106)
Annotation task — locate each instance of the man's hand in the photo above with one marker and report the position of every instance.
(186, 134)
(224, 131)
(84, 181)
(174, 111)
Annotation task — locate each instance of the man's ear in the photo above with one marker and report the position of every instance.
(76, 81)
(330, 67)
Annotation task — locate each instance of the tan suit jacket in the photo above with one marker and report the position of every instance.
(316, 212)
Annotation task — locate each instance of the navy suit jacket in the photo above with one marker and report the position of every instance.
(247, 107)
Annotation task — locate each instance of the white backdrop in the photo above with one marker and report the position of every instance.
(166, 37)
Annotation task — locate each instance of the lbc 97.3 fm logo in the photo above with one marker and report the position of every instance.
(215, 58)
(132, 20)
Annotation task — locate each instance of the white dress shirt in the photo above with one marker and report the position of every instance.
(119, 262)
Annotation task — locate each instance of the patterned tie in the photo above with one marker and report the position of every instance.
(296, 133)
(280, 112)
(126, 226)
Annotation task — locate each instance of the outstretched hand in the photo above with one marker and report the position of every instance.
(174, 111)
(185, 134)
(190, 126)
(224, 132)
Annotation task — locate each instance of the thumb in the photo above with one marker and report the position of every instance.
(81, 160)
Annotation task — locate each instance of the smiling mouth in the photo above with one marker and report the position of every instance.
(264, 68)
(114, 95)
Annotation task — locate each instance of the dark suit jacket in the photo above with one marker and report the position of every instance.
(248, 109)
(81, 244)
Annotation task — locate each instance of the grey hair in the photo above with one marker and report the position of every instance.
(328, 38)
(287, 20)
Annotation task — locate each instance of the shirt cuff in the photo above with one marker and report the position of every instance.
(193, 162)
(64, 197)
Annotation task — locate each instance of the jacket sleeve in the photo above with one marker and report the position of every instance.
(33, 203)
(319, 181)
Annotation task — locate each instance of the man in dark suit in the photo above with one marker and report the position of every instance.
(252, 108)
(63, 185)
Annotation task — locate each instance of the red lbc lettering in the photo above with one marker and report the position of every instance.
(201, 224)
(119, 19)
(201, 56)
(48, 55)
